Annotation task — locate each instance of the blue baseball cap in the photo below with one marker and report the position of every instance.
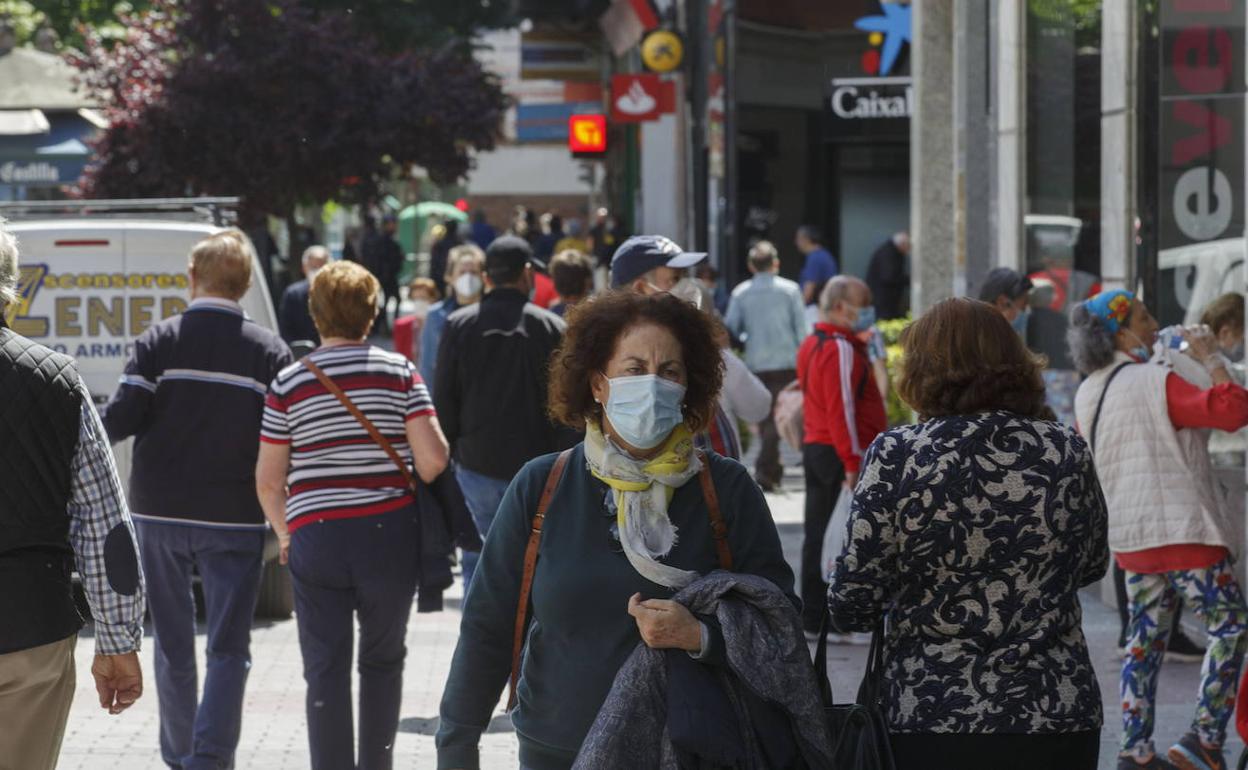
(642, 253)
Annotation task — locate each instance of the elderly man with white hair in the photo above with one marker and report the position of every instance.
(293, 317)
(67, 510)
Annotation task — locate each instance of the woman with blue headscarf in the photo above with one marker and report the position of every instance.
(1148, 429)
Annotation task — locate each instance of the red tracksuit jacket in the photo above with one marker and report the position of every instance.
(841, 404)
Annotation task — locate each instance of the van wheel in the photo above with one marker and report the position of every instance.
(277, 598)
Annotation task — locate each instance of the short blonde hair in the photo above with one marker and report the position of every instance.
(465, 252)
(343, 300)
(222, 264)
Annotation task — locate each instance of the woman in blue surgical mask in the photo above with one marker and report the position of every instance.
(628, 528)
(1148, 428)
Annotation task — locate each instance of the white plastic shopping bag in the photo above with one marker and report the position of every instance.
(834, 535)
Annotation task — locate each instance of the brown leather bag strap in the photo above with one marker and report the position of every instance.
(530, 566)
(332, 387)
(719, 530)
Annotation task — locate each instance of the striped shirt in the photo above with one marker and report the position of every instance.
(336, 470)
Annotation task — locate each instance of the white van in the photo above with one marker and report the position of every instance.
(95, 274)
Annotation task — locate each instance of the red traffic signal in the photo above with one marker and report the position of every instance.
(587, 134)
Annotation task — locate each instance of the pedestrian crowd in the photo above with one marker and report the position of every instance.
(563, 415)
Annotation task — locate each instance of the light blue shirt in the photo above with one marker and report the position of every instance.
(768, 312)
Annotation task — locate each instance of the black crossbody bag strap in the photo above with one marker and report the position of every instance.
(1096, 419)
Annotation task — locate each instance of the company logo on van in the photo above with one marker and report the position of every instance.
(129, 306)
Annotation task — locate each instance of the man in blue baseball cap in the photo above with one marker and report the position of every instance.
(653, 264)
(650, 264)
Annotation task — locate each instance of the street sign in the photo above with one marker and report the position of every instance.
(587, 135)
(662, 51)
(639, 98)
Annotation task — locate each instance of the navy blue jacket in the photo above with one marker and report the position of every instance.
(293, 317)
(192, 396)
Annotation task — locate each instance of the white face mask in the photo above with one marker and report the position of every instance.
(467, 286)
(688, 289)
(420, 307)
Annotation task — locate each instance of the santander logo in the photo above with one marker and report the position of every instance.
(635, 101)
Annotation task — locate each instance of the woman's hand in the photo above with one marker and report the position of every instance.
(1201, 344)
(283, 545)
(666, 625)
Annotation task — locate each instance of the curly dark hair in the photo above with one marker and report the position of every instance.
(963, 357)
(594, 328)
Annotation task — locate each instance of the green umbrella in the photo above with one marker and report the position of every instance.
(439, 209)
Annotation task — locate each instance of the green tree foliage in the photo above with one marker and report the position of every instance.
(68, 18)
(278, 104)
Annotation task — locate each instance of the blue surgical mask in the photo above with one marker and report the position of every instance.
(1140, 352)
(865, 319)
(1020, 322)
(644, 409)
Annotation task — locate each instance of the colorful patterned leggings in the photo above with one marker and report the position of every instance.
(1215, 596)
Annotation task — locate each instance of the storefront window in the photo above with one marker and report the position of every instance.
(1062, 219)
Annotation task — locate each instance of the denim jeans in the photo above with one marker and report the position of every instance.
(200, 732)
(343, 569)
(482, 494)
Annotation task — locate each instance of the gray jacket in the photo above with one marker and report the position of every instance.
(765, 651)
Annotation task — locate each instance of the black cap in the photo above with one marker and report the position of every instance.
(1003, 280)
(506, 257)
(643, 253)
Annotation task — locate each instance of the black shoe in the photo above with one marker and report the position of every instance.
(766, 486)
(1182, 649)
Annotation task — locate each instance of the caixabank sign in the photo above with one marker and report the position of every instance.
(879, 100)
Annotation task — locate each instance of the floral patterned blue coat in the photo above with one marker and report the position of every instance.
(975, 533)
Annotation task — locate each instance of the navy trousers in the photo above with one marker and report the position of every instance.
(344, 568)
(198, 733)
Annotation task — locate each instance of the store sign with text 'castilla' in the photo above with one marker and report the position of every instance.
(1201, 122)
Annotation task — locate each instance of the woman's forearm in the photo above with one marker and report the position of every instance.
(273, 501)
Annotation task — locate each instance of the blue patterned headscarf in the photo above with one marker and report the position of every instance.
(1113, 307)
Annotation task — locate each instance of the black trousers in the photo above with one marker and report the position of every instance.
(347, 570)
(1021, 751)
(824, 478)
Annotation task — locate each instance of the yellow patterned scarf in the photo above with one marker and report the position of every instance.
(643, 489)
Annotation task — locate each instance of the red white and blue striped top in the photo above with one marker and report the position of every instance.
(336, 470)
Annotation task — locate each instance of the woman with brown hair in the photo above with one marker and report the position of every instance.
(627, 526)
(973, 531)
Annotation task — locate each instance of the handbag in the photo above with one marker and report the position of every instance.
(444, 518)
(859, 732)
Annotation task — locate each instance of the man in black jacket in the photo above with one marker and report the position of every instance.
(888, 277)
(490, 391)
(293, 317)
(192, 396)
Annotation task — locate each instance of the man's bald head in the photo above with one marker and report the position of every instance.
(314, 258)
(221, 266)
(844, 289)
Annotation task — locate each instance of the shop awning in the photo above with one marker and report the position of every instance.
(23, 122)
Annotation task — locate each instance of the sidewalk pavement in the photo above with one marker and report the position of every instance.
(274, 734)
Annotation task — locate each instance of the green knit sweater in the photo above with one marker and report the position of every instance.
(580, 632)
